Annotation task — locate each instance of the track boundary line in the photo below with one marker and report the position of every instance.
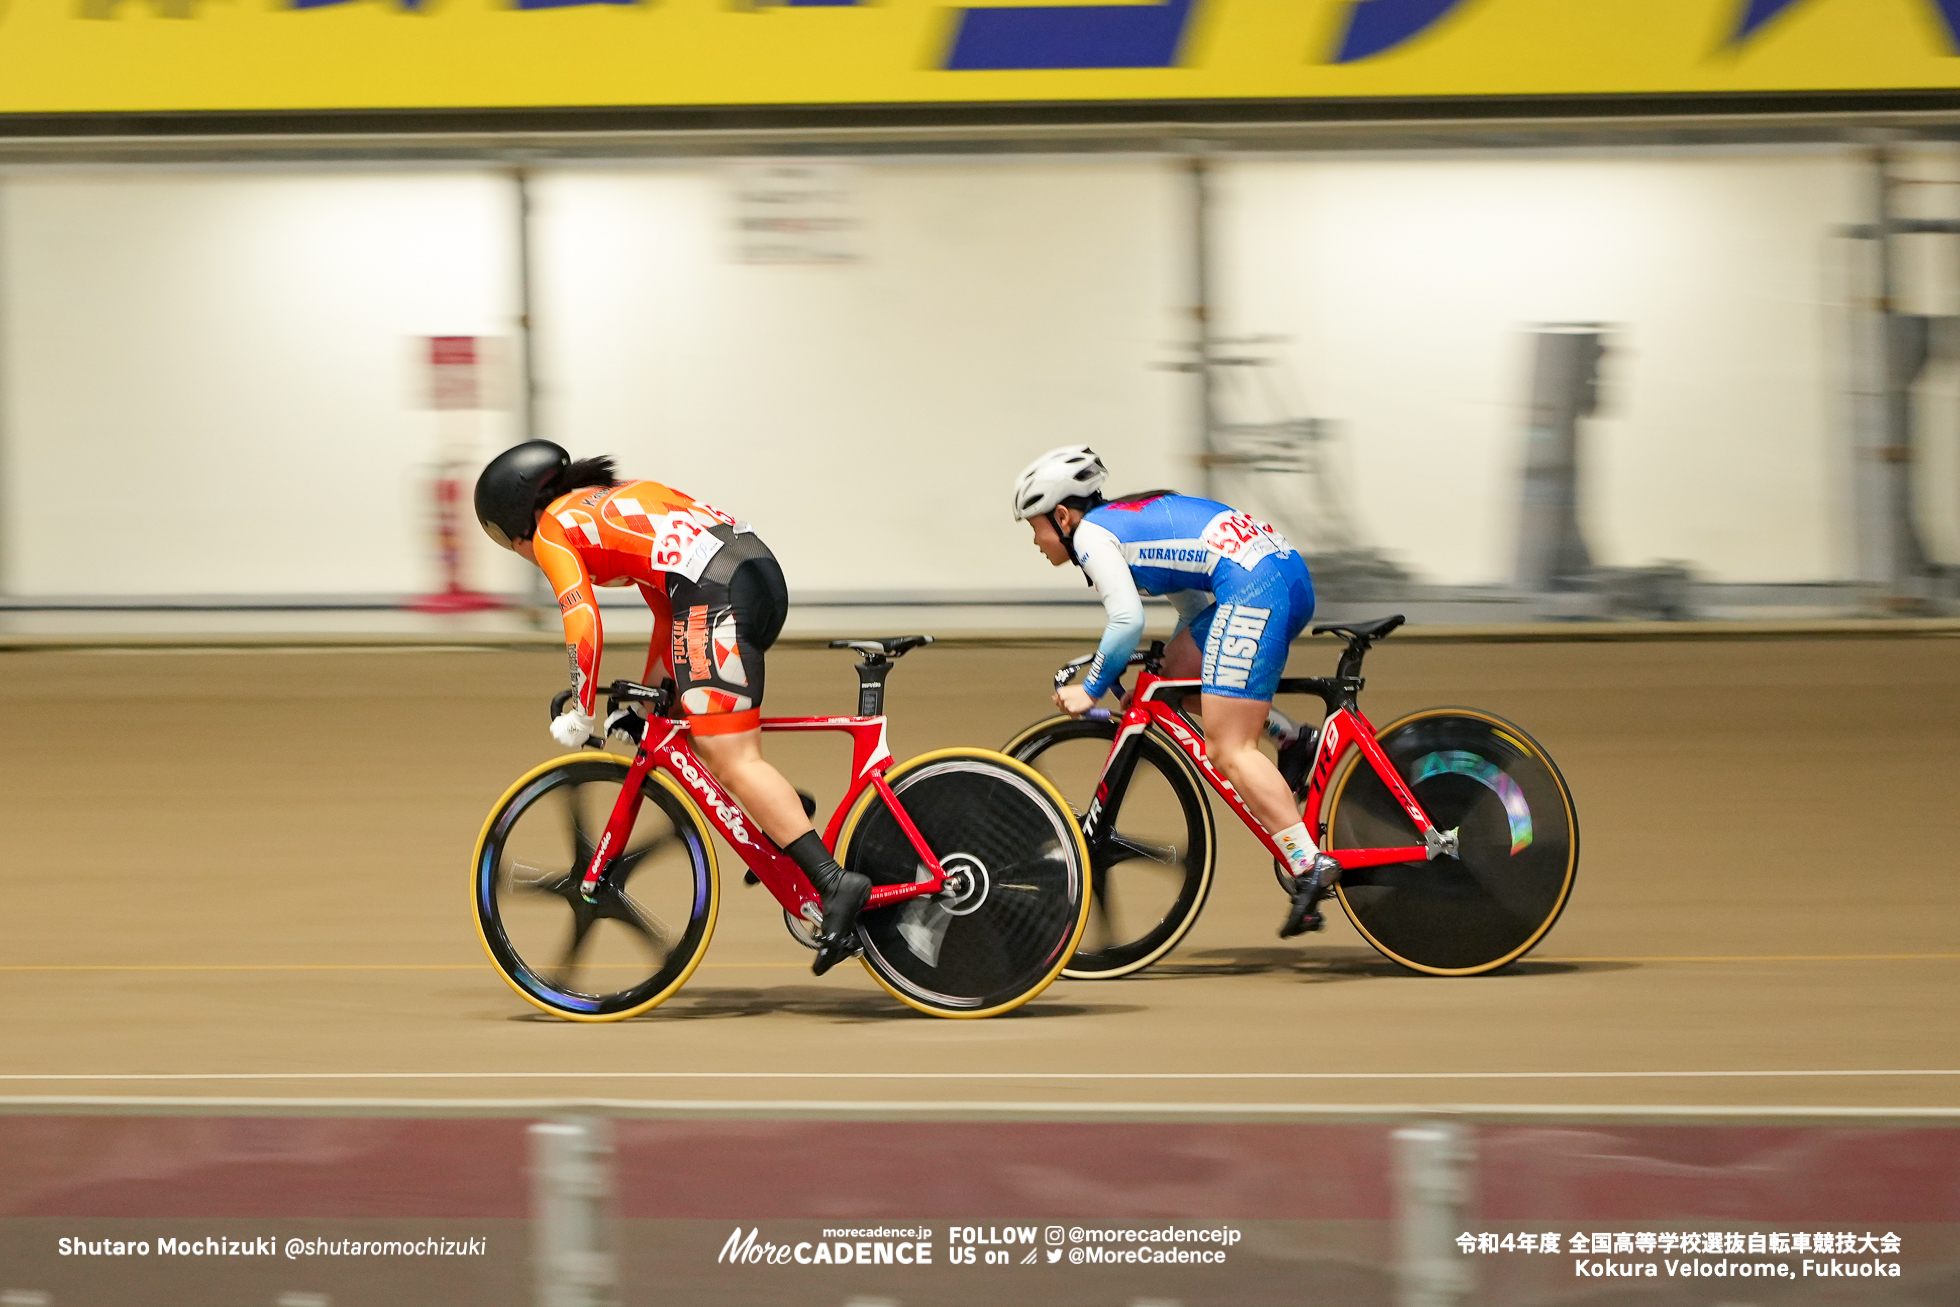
(1070, 1110)
(1768, 957)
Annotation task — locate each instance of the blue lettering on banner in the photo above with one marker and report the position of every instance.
(1376, 26)
(408, 6)
(1760, 12)
(1070, 36)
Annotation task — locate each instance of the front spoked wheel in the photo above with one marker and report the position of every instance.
(1517, 833)
(654, 910)
(1017, 894)
(1152, 866)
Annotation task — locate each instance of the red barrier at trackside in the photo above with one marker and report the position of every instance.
(773, 1169)
(1305, 1212)
(1750, 1173)
(261, 1166)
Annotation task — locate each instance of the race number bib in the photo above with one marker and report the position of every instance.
(1244, 539)
(682, 544)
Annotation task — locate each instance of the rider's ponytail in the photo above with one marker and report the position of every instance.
(578, 475)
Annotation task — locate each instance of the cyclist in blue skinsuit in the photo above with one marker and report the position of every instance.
(1242, 593)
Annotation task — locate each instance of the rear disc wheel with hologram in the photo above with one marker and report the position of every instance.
(1151, 871)
(1517, 834)
(654, 911)
(1017, 893)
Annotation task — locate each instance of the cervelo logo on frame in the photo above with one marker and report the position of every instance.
(731, 816)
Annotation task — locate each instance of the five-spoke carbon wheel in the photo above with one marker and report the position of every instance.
(1518, 843)
(647, 926)
(1151, 865)
(1018, 883)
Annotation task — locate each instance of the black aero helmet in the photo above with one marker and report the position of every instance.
(507, 490)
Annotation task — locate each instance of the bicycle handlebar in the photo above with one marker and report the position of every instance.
(1150, 659)
(657, 699)
(1066, 672)
(1339, 689)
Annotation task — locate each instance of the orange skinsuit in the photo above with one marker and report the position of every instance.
(635, 532)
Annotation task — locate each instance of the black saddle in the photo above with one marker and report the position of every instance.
(890, 646)
(1374, 630)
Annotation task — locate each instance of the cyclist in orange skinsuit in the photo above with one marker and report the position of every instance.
(633, 533)
(718, 601)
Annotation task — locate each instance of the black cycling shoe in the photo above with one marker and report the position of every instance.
(1304, 916)
(832, 949)
(849, 890)
(1296, 756)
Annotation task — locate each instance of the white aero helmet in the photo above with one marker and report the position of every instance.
(1057, 475)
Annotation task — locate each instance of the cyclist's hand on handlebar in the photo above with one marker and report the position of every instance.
(1073, 700)
(572, 727)
(628, 723)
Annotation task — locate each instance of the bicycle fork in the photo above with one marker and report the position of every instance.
(626, 810)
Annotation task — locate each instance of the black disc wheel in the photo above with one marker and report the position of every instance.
(1517, 840)
(1017, 890)
(647, 926)
(1151, 865)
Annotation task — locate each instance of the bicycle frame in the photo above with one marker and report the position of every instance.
(664, 745)
(1345, 728)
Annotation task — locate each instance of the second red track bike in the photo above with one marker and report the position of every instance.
(1456, 835)
(596, 890)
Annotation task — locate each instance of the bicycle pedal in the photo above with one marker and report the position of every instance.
(1306, 925)
(831, 951)
(750, 878)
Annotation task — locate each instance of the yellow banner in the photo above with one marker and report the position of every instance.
(135, 55)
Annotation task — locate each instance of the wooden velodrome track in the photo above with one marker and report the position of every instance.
(243, 874)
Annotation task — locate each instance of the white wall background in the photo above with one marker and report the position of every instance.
(208, 379)
(869, 418)
(207, 386)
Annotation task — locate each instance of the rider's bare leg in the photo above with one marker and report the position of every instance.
(737, 762)
(1182, 661)
(1232, 731)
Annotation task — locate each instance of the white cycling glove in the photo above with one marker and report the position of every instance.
(571, 728)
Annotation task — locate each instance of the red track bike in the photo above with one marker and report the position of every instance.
(596, 889)
(1456, 834)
